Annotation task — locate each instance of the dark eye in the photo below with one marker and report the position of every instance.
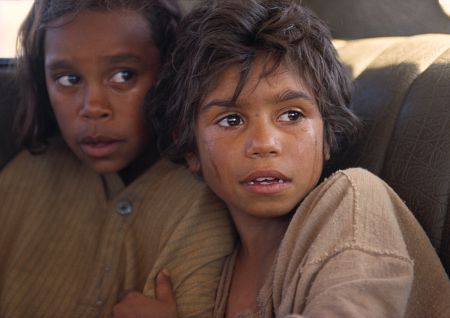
(68, 80)
(122, 76)
(291, 115)
(230, 120)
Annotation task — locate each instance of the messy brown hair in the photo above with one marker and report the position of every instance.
(35, 122)
(219, 34)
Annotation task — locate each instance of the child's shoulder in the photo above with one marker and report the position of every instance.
(370, 199)
(55, 158)
(167, 169)
(362, 185)
(354, 209)
(356, 177)
(174, 177)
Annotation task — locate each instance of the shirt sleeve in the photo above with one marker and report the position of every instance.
(194, 250)
(358, 283)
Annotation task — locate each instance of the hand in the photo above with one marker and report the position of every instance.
(136, 305)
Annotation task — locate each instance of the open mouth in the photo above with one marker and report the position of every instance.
(269, 182)
(92, 141)
(99, 146)
(266, 181)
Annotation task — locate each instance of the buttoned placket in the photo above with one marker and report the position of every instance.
(120, 211)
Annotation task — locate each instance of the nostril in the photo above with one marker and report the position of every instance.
(95, 112)
(263, 154)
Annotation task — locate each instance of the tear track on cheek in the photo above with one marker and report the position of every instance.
(210, 155)
(317, 157)
(317, 161)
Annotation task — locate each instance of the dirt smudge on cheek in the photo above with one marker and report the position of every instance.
(310, 152)
(317, 160)
(211, 155)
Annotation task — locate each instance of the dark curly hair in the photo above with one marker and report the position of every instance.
(223, 33)
(35, 122)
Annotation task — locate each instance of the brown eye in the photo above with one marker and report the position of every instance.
(291, 115)
(230, 120)
(68, 80)
(122, 76)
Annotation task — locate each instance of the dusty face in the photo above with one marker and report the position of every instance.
(263, 154)
(99, 68)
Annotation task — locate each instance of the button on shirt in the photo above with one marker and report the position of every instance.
(124, 207)
(72, 241)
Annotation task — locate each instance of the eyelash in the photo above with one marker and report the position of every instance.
(225, 119)
(68, 80)
(130, 73)
(72, 79)
(296, 113)
(236, 117)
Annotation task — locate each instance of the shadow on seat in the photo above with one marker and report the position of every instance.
(402, 94)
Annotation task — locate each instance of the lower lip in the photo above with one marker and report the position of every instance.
(266, 189)
(99, 150)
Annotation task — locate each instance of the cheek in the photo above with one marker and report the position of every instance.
(214, 154)
(310, 150)
(317, 144)
(54, 97)
(129, 108)
(134, 124)
(211, 159)
(63, 107)
(62, 113)
(318, 155)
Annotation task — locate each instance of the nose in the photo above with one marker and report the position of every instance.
(263, 140)
(95, 104)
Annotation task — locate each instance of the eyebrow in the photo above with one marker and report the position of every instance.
(291, 94)
(113, 59)
(57, 64)
(217, 102)
(279, 98)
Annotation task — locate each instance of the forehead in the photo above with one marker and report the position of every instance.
(263, 75)
(100, 30)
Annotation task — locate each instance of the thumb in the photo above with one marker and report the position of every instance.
(164, 290)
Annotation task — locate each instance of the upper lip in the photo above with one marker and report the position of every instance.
(97, 139)
(269, 174)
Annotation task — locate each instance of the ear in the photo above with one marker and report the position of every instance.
(326, 151)
(193, 162)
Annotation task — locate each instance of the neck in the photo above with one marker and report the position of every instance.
(260, 237)
(146, 159)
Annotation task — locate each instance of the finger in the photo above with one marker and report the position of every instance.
(123, 294)
(164, 291)
(120, 311)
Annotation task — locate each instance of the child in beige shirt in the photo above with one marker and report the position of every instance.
(261, 105)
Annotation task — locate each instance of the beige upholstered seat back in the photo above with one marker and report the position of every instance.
(402, 93)
(352, 19)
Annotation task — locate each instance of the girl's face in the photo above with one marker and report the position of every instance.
(264, 153)
(99, 67)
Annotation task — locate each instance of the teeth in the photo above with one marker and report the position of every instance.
(266, 180)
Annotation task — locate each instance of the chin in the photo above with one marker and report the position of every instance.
(272, 213)
(108, 167)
